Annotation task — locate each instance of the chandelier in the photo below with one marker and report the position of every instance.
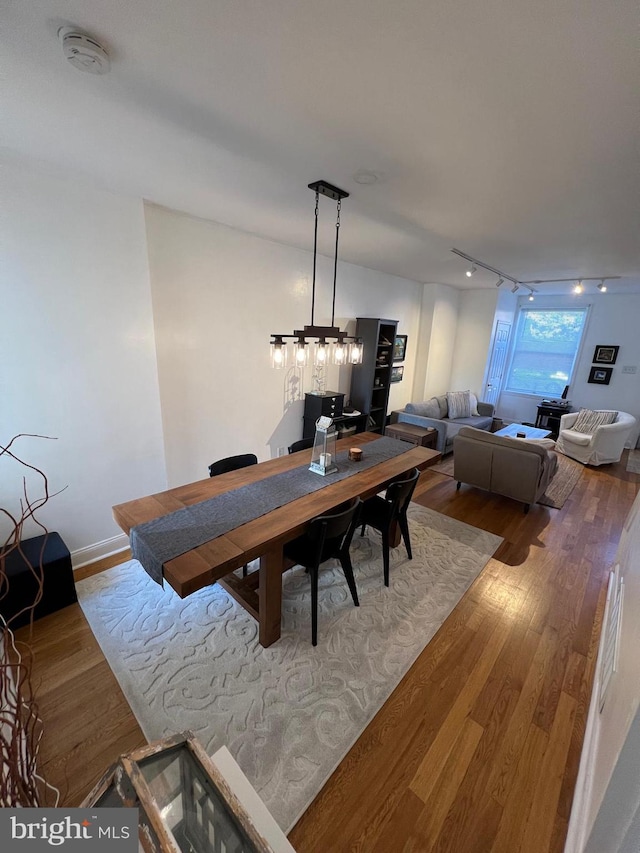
(330, 344)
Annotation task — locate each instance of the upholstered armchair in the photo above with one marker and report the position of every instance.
(604, 445)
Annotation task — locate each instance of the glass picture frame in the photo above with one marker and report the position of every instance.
(605, 354)
(600, 375)
(399, 348)
(396, 373)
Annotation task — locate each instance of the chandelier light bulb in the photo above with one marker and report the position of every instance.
(340, 353)
(355, 352)
(279, 353)
(321, 352)
(302, 353)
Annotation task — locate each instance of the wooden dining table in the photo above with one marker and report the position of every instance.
(263, 538)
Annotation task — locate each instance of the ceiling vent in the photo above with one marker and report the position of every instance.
(83, 51)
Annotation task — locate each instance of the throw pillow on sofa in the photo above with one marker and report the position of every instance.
(588, 420)
(428, 409)
(442, 403)
(459, 404)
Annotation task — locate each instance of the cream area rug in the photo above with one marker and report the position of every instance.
(633, 462)
(288, 713)
(563, 483)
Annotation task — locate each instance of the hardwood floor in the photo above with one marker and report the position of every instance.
(478, 747)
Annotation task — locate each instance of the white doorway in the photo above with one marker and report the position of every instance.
(497, 362)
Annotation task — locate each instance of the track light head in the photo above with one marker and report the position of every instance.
(515, 287)
(579, 287)
(499, 281)
(531, 296)
(602, 287)
(471, 271)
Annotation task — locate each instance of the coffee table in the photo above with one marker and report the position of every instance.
(512, 430)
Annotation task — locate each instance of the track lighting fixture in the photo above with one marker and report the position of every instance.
(502, 276)
(517, 284)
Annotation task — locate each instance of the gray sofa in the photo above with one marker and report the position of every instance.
(514, 467)
(433, 413)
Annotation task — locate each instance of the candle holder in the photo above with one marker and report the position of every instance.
(323, 455)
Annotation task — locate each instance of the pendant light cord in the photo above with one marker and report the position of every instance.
(315, 251)
(335, 263)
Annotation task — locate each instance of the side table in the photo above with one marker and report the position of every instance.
(416, 435)
(549, 415)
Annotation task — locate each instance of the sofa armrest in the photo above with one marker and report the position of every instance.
(486, 409)
(617, 426)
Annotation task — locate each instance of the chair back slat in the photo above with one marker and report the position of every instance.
(333, 533)
(302, 444)
(400, 493)
(232, 463)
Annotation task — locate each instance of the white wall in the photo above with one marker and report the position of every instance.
(477, 309)
(438, 325)
(607, 730)
(613, 319)
(77, 354)
(218, 295)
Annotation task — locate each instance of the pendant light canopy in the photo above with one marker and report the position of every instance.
(331, 345)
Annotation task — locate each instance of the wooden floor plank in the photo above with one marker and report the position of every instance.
(542, 813)
(445, 790)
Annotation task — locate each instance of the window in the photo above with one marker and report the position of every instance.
(545, 350)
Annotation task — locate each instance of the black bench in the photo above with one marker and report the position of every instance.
(59, 588)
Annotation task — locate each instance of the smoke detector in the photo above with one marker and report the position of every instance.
(83, 51)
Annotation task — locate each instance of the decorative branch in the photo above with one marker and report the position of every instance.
(20, 724)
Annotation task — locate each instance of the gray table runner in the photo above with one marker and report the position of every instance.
(156, 542)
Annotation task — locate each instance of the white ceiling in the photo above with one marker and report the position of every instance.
(506, 128)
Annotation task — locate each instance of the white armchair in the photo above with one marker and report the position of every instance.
(605, 445)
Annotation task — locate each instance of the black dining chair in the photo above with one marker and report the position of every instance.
(233, 463)
(303, 444)
(327, 536)
(381, 512)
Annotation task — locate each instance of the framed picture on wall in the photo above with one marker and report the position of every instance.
(605, 354)
(399, 348)
(600, 375)
(396, 373)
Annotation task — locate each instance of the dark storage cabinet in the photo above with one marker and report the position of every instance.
(370, 380)
(331, 405)
(328, 404)
(59, 588)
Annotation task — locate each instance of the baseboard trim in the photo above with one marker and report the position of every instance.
(83, 556)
